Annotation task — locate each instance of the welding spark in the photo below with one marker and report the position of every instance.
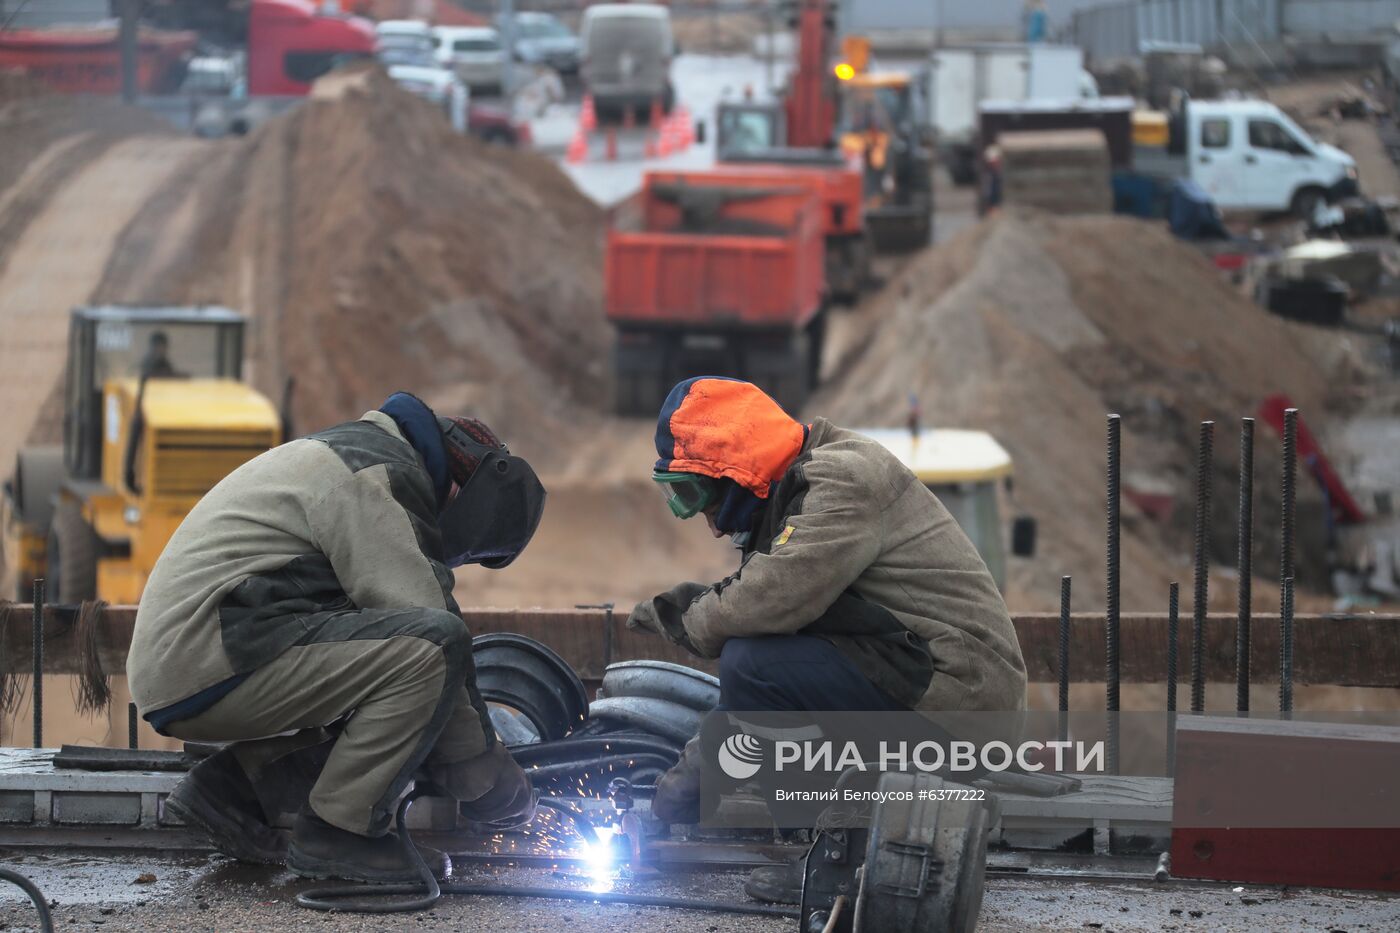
(600, 861)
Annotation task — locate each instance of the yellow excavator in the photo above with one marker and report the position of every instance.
(881, 125)
(155, 413)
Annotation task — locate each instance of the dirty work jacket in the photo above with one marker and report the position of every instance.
(849, 526)
(343, 519)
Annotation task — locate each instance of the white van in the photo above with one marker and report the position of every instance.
(1248, 155)
(627, 51)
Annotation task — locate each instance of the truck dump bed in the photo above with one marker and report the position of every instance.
(713, 253)
(837, 186)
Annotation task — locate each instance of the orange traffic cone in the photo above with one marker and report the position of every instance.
(686, 126)
(656, 115)
(587, 116)
(612, 144)
(578, 147)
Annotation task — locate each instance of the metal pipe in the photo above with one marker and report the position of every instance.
(38, 659)
(1063, 660)
(131, 737)
(1245, 565)
(1173, 635)
(1285, 648)
(1111, 627)
(1204, 462)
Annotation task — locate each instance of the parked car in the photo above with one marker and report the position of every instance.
(407, 55)
(1248, 155)
(474, 53)
(541, 39)
(627, 50)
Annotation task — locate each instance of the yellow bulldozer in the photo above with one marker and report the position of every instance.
(155, 413)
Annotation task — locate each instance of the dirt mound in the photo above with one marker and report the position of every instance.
(377, 250)
(1035, 327)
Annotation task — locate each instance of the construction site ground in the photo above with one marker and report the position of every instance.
(210, 893)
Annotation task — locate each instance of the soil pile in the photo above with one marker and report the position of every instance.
(1034, 327)
(375, 250)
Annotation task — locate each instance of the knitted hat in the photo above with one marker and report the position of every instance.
(463, 458)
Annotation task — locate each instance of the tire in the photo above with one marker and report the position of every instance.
(1305, 202)
(73, 551)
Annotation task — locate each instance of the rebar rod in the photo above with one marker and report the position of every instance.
(1111, 620)
(37, 689)
(1245, 565)
(1285, 649)
(1173, 634)
(1063, 660)
(1204, 463)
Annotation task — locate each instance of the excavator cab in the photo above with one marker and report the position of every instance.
(748, 128)
(155, 414)
(880, 126)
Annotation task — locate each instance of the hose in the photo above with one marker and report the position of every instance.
(35, 895)
(380, 898)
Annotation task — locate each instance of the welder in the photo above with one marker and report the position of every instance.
(857, 590)
(303, 612)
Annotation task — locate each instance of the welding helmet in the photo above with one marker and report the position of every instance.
(496, 510)
(688, 494)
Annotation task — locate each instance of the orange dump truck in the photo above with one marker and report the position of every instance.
(714, 276)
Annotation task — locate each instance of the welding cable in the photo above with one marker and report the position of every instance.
(381, 898)
(837, 906)
(28, 887)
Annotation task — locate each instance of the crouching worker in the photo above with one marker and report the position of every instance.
(857, 590)
(303, 611)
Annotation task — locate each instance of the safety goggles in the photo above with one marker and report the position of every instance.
(688, 494)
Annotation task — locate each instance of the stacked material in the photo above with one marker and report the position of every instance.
(1059, 171)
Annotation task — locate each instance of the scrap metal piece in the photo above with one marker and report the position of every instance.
(90, 758)
(665, 718)
(526, 675)
(663, 681)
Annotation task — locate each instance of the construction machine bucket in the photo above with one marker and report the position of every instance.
(899, 228)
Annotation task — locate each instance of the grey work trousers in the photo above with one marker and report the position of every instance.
(406, 681)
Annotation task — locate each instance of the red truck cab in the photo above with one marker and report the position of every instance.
(291, 44)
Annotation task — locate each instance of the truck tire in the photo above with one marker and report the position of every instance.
(786, 372)
(1305, 202)
(73, 551)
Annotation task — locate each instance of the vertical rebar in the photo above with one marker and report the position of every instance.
(1064, 658)
(1173, 636)
(1290, 448)
(38, 658)
(1204, 463)
(131, 740)
(1111, 629)
(1285, 561)
(1245, 565)
(1285, 651)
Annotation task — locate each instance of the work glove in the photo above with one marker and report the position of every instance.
(508, 801)
(662, 615)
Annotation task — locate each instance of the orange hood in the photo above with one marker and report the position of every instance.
(727, 429)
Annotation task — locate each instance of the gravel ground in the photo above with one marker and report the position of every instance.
(100, 892)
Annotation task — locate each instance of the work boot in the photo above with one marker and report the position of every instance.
(777, 884)
(217, 797)
(320, 850)
(677, 797)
